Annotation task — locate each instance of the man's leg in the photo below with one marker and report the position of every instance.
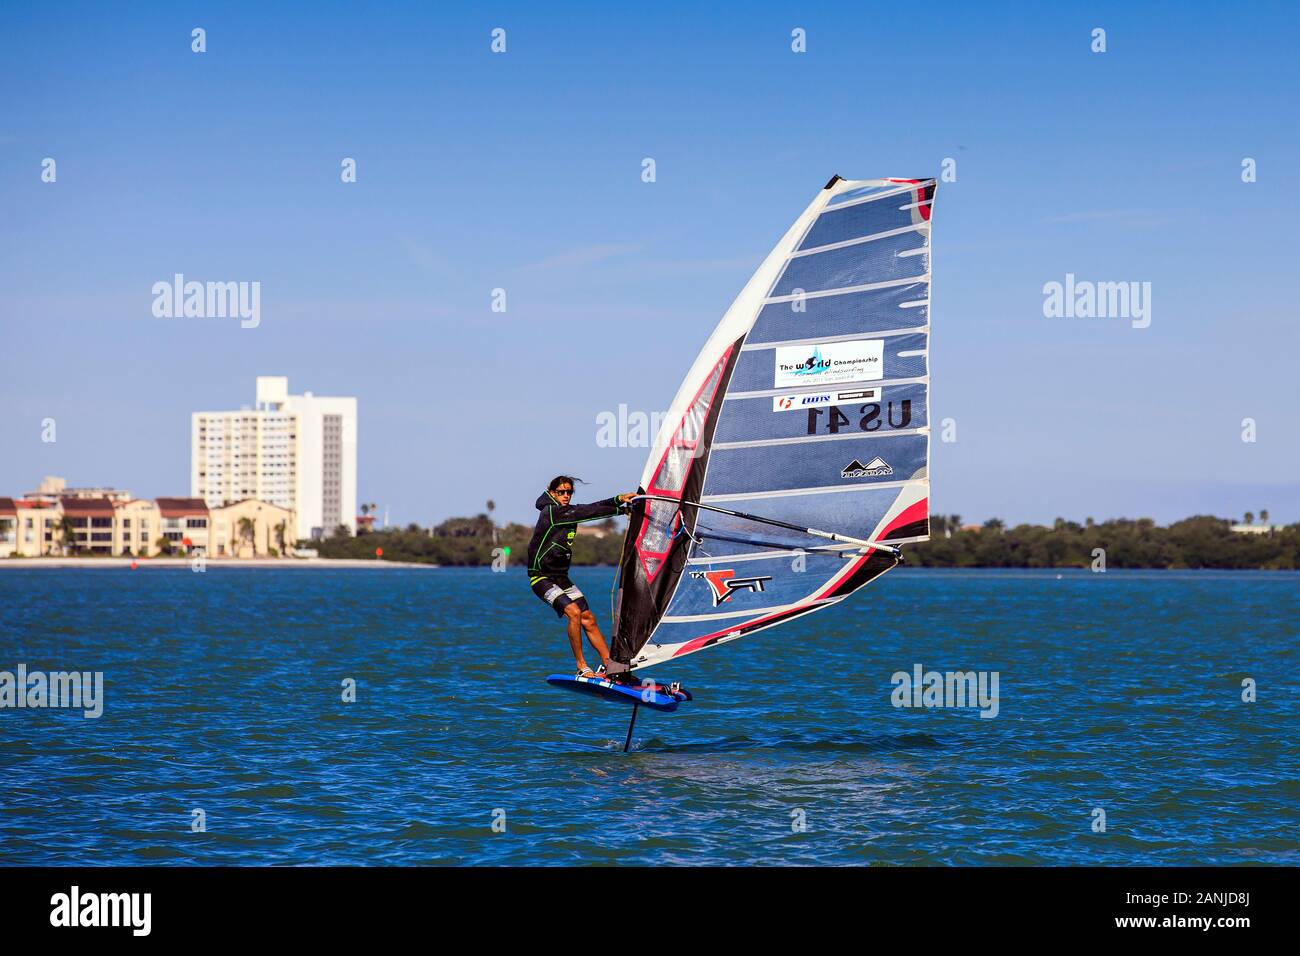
(594, 636)
(573, 617)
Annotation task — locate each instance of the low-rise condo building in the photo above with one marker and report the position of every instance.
(48, 523)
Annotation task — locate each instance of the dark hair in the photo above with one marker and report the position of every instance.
(560, 479)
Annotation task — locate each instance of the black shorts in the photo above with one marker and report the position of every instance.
(559, 593)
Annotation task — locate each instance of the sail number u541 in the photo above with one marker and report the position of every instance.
(873, 418)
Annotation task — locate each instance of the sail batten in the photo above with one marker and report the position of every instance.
(808, 407)
(847, 337)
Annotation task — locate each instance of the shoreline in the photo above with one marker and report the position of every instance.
(143, 563)
(310, 563)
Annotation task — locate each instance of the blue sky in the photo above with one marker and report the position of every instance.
(522, 171)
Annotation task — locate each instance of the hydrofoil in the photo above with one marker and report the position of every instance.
(637, 692)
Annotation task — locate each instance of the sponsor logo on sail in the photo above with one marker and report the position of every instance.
(724, 583)
(788, 403)
(875, 468)
(830, 363)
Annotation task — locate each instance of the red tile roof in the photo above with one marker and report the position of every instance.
(181, 507)
(87, 507)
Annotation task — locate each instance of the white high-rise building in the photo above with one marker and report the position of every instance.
(294, 451)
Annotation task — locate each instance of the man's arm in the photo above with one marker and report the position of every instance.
(578, 513)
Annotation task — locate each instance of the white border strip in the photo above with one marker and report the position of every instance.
(847, 337)
(875, 236)
(846, 290)
(806, 439)
(810, 390)
(837, 550)
(753, 612)
(905, 188)
(816, 490)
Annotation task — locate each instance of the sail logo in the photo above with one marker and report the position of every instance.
(830, 363)
(724, 584)
(788, 403)
(812, 364)
(876, 468)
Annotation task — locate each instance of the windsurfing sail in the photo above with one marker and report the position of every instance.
(808, 407)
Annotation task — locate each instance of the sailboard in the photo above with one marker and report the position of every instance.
(793, 463)
(655, 696)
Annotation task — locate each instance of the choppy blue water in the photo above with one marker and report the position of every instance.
(1119, 691)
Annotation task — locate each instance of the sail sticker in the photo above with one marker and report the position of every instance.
(725, 583)
(876, 468)
(789, 403)
(830, 363)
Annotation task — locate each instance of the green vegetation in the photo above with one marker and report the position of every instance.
(1200, 542)
(470, 541)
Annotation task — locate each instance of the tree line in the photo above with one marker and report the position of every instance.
(1198, 542)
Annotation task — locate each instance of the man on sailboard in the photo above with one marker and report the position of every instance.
(549, 555)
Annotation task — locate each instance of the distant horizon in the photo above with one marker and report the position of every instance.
(498, 514)
(1237, 521)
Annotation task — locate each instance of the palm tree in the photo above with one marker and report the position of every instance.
(248, 531)
(954, 522)
(491, 507)
(279, 536)
(1263, 516)
(67, 535)
(1250, 517)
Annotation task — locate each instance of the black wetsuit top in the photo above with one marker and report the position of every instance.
(551, 550)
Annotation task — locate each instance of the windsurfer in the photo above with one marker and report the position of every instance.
(549, 554)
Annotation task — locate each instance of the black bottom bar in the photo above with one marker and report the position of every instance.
(935, 906)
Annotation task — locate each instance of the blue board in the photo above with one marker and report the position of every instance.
(657, 697)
